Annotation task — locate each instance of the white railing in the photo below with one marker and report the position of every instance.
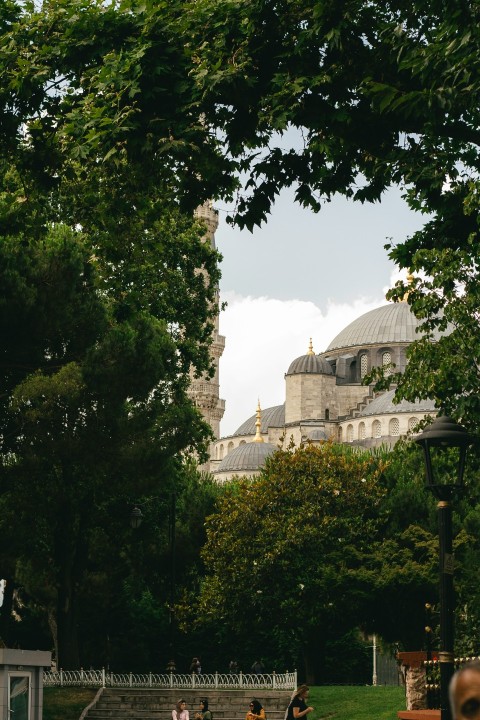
(204, 681)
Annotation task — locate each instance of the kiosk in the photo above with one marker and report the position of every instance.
(21, 683)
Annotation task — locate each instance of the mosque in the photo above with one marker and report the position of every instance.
(324, 394)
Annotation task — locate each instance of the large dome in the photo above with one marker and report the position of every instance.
(392, 323)
(271, 417)
(246, 457)
(384, 405)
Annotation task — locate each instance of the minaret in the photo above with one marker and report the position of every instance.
(205, 391)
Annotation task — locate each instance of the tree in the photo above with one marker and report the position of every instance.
(294, 544)
(381, 95)
(95, 367)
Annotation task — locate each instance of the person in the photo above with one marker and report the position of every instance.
(297, 707)
(195, 666)
(464, 692)
(171, 667)
(180, 712)
(204, 713)
(257, 668)
(233, 667)
(255, 711)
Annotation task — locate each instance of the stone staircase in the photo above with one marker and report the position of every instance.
(157, 704)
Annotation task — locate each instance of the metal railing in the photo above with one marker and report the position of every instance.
(204, 681)
(432, 678)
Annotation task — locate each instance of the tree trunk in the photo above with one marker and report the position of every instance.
(70, 554)
(67, 627)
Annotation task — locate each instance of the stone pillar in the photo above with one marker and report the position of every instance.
(413, 668)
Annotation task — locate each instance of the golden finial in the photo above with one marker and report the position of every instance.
(410, 280)
(310, 348)
(258, 424)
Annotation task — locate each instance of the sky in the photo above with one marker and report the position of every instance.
(302, 275)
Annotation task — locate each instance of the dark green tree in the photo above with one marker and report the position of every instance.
(287, 554)
(95, 367)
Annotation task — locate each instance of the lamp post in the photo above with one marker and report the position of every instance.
(438, 441)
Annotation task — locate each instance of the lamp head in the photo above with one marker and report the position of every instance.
(444, 466)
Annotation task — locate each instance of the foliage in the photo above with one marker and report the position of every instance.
(381, 94)
(99, 344)
(294, 545)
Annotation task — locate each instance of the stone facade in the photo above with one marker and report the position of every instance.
(325, 397)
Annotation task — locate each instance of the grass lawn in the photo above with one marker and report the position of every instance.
(66, 703)
(356, 703)
(330, 703)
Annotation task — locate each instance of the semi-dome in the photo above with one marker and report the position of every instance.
(271, 417)
(392, 323)
(384, 405)
(313, 364)
(246, 458)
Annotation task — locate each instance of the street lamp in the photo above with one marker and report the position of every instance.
(444, 441)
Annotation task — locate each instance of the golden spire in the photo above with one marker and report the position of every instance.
(410, 280)
(258, 424)
(310, 348)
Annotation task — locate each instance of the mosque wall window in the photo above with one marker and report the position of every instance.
(363, 365)
(230, 447)
(340, 434)
(353, 371)
(376, 429)
(350, 433)
(327, 414)
(243, 442)
(221, 452)
(362, 432)
(412, 423)
(386, 360)
(394, 427)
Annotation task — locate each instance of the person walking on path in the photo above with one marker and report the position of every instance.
(298, 705)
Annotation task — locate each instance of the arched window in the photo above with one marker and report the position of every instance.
(363, 365)
(221, 452)
(349, 433)
(394, 427)
(243, 442)
(376, 429)
(340, 434)
(386, 360)
(327, 414)
(412, 423)
(230, 446)
(362, 433)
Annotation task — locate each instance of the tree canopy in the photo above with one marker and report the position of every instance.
(300, 556)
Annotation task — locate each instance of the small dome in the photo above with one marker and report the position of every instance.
(247, 457)
(316, 435)
(383, 405)
(313, 364)
(390, 323)
(271, 417)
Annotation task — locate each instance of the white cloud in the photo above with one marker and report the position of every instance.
(263, 336)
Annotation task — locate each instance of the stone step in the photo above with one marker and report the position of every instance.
(155, 704)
